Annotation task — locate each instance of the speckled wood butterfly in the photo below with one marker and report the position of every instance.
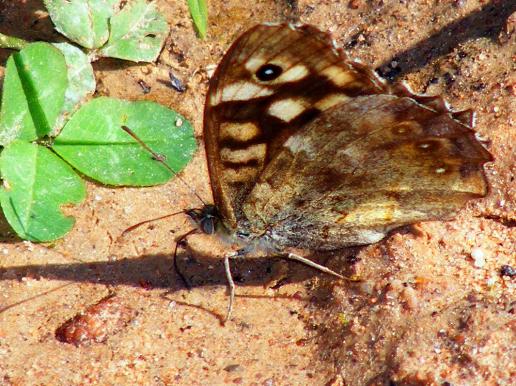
(309, 149)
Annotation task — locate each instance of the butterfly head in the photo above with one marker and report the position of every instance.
(207, 218)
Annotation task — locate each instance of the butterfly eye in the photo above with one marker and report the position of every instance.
(268, 72)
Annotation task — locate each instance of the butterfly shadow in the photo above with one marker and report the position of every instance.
(157, 271)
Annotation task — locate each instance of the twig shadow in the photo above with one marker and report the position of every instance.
(486, 22)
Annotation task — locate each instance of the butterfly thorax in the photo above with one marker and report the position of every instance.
(244, 238)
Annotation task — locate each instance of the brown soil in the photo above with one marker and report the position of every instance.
(427, 312)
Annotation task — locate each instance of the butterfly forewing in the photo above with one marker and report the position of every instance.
(249, 115)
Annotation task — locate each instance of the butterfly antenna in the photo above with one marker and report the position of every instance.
(161, 159)
(133, 227)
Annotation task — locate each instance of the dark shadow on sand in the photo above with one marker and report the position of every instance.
(487, 22)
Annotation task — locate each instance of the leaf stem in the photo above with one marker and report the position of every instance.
(12, 42)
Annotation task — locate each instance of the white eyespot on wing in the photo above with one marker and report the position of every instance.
(331, 100)
(353, 152)
(298, 143)
(239, 131)
(241, 91)
(286, 109)
(338, 75)
(253, 152)
(293, 74)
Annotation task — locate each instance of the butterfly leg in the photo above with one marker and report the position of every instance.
(310, 263)
(231, 284)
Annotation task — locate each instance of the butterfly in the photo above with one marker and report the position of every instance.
(309, 149)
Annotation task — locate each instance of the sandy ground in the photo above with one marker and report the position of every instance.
(433, 307)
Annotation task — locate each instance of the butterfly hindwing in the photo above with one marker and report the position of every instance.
(363, 168)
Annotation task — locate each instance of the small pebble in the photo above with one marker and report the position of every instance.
(232, 368)
(144, 86)
(354, 4)
(508, 271)
(176, 83)
(29, 245)
(478, 255)
(97, 323)
(366, 288)
(410, 298)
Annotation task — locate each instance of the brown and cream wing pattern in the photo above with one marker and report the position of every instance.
(273, 80)
(365, 167)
